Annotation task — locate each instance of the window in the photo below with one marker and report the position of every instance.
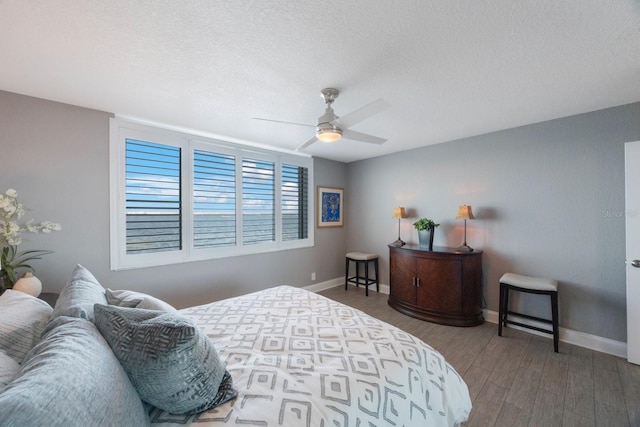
(214, 199)
(295, 203)
(152, 197)
(177, 197)
(258, 201)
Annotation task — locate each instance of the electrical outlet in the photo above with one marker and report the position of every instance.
(313, 276)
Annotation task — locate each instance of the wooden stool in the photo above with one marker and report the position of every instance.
(532, 285)
(361, 258)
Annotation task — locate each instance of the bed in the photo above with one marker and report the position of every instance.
(297, 358)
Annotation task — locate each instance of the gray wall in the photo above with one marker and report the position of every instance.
(549, 201)
(56, 157)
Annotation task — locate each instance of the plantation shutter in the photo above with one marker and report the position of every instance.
(153, 198)
(214, 199)
(295, 202)
(258, 201)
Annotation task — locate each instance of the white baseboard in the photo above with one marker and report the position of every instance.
(593, 342)
(323, 286)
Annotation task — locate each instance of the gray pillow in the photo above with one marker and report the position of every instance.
(22, 320)
(8, 369)
(71, 378)
(171, 362)
(132, 299)
(79, 295)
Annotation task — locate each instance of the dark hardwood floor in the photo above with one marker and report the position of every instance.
(517, 379)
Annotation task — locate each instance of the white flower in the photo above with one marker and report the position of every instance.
(30, 227)
(10, 230)
(14, 240)
(48, 226)
(13, 227)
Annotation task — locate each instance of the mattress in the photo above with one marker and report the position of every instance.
(300, 359)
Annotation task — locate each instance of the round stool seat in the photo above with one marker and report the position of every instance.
(528, 282)
(361, 256)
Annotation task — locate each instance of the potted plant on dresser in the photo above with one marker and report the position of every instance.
(426, 228)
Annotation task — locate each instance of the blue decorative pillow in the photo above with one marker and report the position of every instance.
(171, 362)
(71, 378)
(79, 295)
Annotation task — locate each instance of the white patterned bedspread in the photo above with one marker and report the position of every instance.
(300, 359)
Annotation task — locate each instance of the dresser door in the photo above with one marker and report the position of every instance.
(440, 284)
(402, 271)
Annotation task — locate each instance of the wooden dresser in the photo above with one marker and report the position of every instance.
(441, 286)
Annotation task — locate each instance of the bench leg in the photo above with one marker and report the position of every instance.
(507, 290)
(501, 309)
(366, 278)
(554, 320)
(375, 266)
(346, 275)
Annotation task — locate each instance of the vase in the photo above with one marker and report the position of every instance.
(29, 284)
(425, 238)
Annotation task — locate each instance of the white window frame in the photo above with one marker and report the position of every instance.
(123, 129)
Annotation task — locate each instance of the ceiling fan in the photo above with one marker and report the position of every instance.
(331, 128)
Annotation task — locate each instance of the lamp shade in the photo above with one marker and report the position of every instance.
(399, 213)
(464, 212)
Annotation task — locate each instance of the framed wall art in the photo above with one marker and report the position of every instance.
(330, 207)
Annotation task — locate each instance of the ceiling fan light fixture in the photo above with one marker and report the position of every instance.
(329, 134)
(329, 125)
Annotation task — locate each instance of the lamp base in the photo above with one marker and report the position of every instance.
(464, 248)
(398, 243)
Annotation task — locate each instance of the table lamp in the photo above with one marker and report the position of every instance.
(399, 213)
(464, 212)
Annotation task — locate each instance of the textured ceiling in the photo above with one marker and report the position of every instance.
(450, 69)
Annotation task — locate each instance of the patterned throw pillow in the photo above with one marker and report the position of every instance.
(22, 320)
(171, 362)
(132, 299)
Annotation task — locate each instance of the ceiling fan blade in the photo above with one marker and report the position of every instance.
(361, 114)
(306, 144)
(286, 123)
(363, 137)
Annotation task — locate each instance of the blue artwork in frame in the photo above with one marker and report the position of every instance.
(330, 207)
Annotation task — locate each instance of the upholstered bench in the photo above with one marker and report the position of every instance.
(361, 259)
(533, 285)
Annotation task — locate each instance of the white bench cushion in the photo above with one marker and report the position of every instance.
(528, 282)
(361, 256)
